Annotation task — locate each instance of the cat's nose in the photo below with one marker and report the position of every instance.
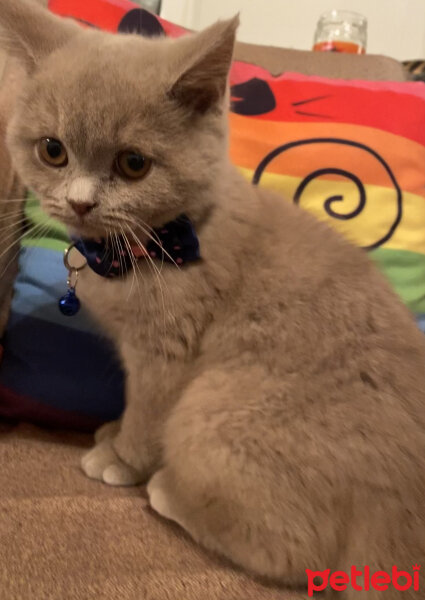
(81, 208)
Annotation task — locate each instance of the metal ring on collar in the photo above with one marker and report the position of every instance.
(66, 259)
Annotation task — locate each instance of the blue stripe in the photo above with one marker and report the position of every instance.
(420, 319)
(40, 283)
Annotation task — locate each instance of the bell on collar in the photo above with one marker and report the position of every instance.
(69, 304)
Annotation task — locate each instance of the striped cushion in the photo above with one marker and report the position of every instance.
(352, 153)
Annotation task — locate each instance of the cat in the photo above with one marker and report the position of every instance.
(275, 387)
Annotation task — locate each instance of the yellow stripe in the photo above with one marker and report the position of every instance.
(372, 223)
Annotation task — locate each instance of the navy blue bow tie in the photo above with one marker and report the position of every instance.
(176, 242)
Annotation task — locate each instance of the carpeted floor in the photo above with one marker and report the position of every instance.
(65, 537)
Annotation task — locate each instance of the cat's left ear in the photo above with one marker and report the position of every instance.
(30, 32)
(203, 63)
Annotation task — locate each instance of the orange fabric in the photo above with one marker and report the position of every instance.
(252, 140)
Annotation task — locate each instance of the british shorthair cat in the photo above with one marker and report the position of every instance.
(275, 385)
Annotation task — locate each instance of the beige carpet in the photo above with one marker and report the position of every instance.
(64, 537)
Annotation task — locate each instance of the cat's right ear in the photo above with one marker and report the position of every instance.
(202, 63)
(30, 32)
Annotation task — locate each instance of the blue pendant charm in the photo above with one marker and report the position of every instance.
(69, 304)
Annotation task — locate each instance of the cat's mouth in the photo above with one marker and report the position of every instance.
(113, 233)
(127, 231)
(174, 240)
(129, 237)
(94, 226)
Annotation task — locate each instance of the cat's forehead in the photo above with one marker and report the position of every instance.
(99, 88)
(123, 67)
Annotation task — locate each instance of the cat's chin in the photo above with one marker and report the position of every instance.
(85, 228)
(87, 232)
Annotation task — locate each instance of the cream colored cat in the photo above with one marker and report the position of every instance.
(276, 387)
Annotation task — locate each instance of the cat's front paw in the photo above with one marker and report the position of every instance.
(103, 463)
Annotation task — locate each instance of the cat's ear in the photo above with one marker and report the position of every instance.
(204, 63)
(30, 32)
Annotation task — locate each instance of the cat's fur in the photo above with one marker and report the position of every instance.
(275, 389)
(11, 191)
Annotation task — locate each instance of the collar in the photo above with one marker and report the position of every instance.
(175, 242)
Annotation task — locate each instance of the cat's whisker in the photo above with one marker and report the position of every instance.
(108, 237)
(136, 270)
(10, 200)
(40, 234)
(11, 210)
(14, 224)
(139, 243)
(120, 250)
(12, 218)
(39, 231)
(11, 235)
(16, 211)
(154, 237)
(10, 262)
(26, 233)
(160, 280)
(114, 245)
(38, 227)
(11, 224)
(133, 263)
(150, 233)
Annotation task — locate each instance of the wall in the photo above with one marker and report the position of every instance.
(396, 27)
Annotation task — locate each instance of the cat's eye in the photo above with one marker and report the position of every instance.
(132, 165)
(52, 152)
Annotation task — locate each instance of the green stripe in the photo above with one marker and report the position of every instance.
(44, 242)
(406, 272)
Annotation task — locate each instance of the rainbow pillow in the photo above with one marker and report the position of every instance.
(351, 152)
